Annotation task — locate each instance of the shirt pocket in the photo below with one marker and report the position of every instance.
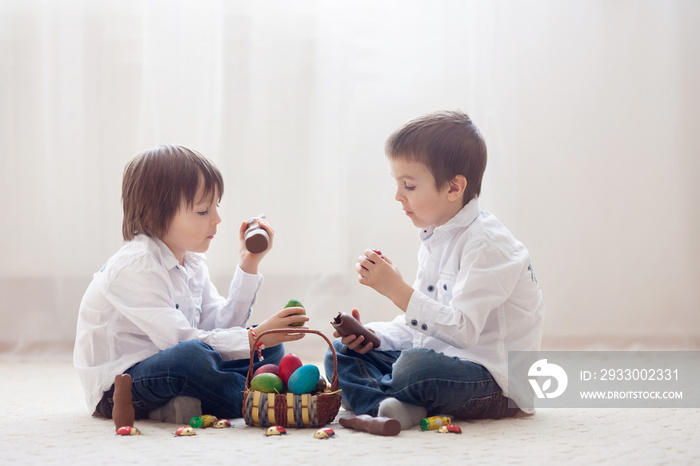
(445, 287)
(190, 306)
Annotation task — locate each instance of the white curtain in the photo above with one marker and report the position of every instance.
(589, 108)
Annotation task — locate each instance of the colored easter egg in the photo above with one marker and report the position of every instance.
(267, 369)
(304, 379)
(267, 383)
(296, 303)
(288, 364)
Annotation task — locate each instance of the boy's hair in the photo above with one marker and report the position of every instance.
(155, 183)
(447, 143)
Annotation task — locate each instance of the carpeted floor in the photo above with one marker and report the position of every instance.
(45, 422)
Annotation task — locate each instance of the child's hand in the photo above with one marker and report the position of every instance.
(379, 273)
(282, 319)
(249, 261)
(355, 342)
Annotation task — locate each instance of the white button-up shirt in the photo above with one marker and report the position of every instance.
(476, 295)
(143, 301)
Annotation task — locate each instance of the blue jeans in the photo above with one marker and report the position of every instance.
(442, 384)
(190, 368)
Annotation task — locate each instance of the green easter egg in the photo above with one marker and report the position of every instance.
(267, 383)
(296, 303)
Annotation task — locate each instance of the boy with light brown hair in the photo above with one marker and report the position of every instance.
(475, 297)
(152, 313)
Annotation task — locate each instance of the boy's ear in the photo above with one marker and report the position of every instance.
(457, 185)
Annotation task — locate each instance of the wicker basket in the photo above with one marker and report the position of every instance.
(287, 409)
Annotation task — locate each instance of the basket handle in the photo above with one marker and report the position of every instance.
(334, 379)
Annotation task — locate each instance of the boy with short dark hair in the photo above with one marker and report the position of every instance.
(474, 299)
(151, 314)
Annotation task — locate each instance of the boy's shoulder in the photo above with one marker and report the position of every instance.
(478, 226)
(141, 248)
(489, 233)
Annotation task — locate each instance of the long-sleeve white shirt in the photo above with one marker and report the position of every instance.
(476, 296)
(143, 301)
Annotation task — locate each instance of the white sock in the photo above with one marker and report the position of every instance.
(179, 410)
(407, 414)
(344, 404)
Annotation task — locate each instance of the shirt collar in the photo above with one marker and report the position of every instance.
(462, 219)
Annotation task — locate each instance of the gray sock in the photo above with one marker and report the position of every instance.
(407, 414)
(178, 410)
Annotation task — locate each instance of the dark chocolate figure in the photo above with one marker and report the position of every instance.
(256, 239)
(123, 410)
(346, 324)
(385, 426)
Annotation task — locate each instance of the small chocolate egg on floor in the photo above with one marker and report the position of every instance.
(128, 430)
(203, 421)
(185, 431)
(450, 429)
(275, 430)
(324, 433)
(222, 423)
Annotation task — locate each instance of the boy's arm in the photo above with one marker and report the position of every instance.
(234, 311)
(485, 280)
(145, 302)
(218, 312)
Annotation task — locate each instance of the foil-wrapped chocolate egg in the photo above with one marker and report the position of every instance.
(222, 423)
(324, 433)
(128, 430)
(185, 431)
(275, 430)
(450, 429)
(321, 386)
(203, 421)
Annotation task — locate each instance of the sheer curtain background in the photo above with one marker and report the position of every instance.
(590, 110)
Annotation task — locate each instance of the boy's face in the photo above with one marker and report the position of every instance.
(422, 201)
(193, 228)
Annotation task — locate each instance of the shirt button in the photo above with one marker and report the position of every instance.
(444, 287)
(431, 288)
(414, 322)
(177, 306)
(424, 327)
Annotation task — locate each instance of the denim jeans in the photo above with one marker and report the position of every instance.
(190, 368)
(442, 384)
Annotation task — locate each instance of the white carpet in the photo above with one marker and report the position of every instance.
(45, 422)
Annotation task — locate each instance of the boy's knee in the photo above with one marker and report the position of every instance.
(193, 351)
(413, 361)
(190, 346)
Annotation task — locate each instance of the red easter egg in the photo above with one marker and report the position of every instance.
(288, 364)
(267, 369)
